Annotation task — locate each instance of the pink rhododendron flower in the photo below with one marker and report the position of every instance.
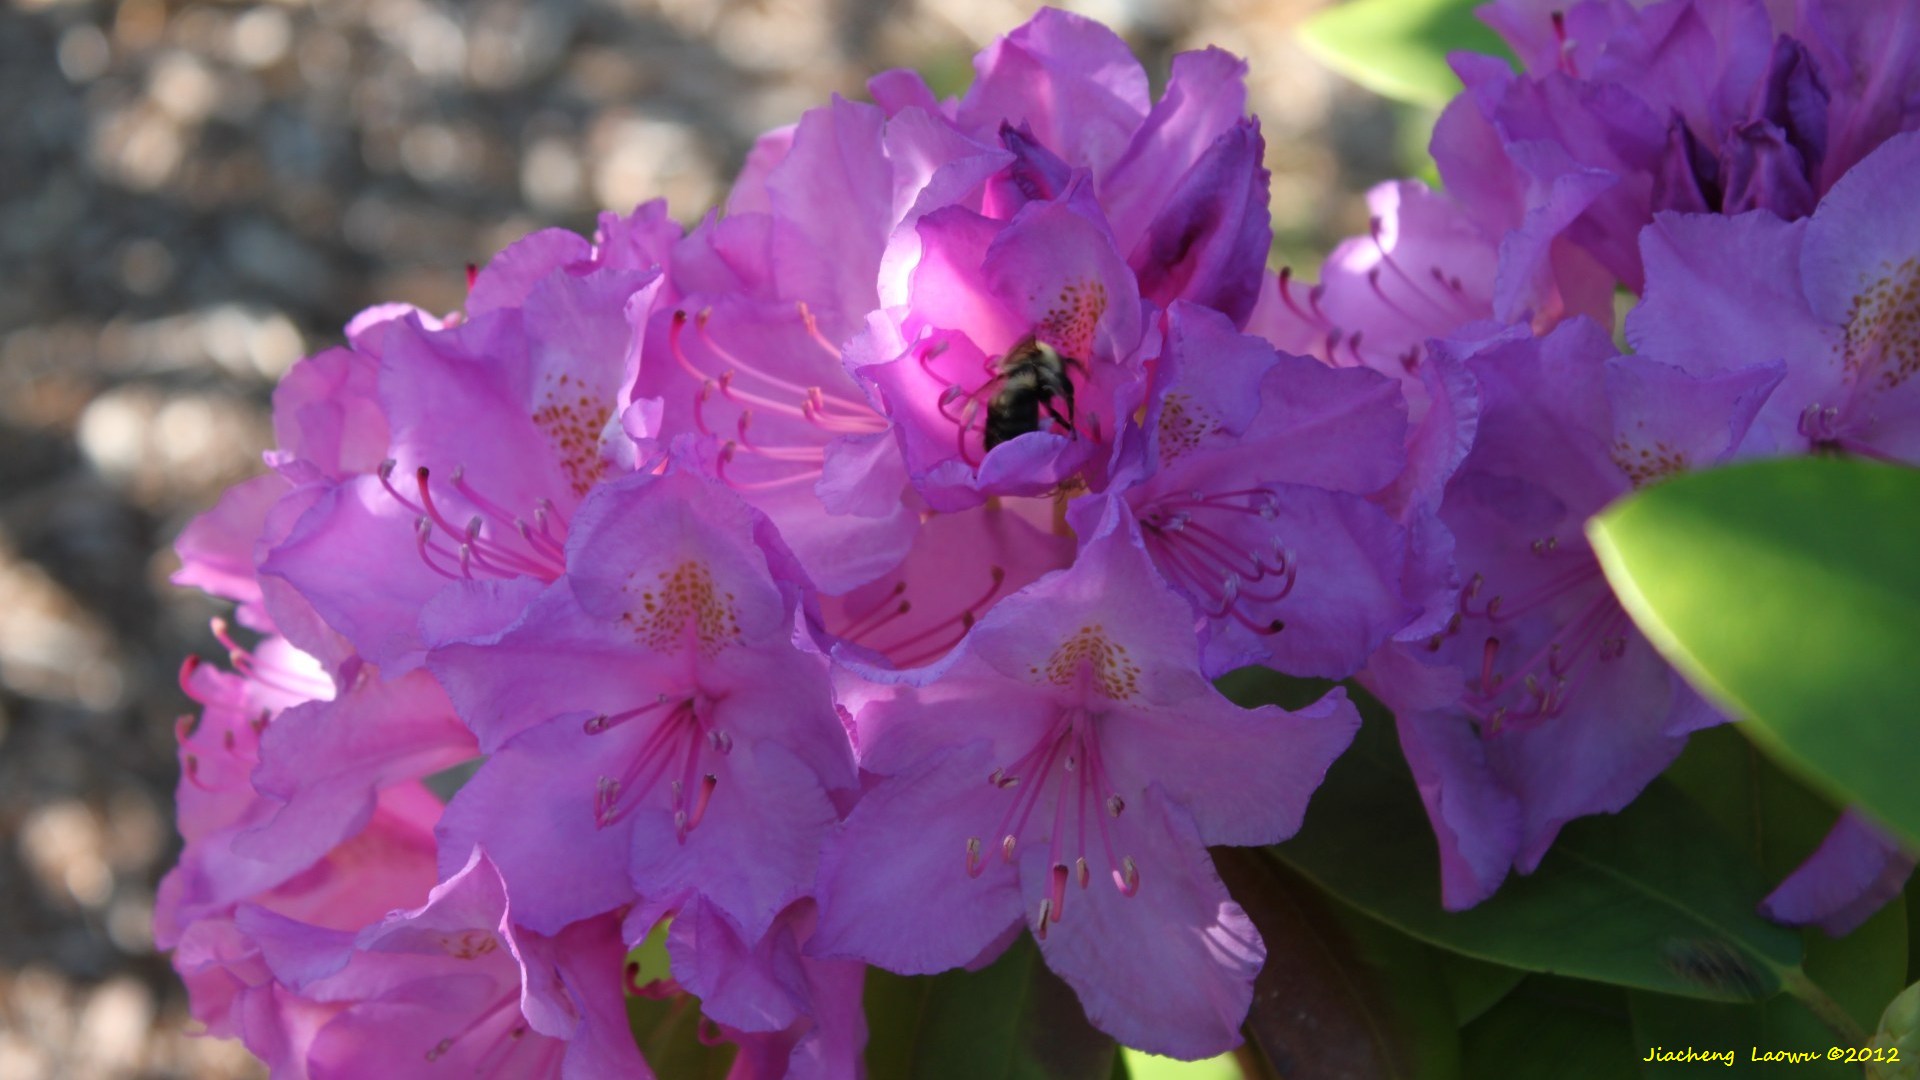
(498, 421)
(1108, 764)
(1179, 180)
(840, 581)
(1259, 518)
(984, 291)
(1718, 106)
(1424, 269)
(382, 858)
(655, 727)
(1831, 295)
(1538, 702)
(454, 985)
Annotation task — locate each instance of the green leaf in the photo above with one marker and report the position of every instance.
(1788, 592)
(1554, 1027)
(1398, 48)
(1475, 986)
(1339, 994)
(1013, 1018)
(1655, 897)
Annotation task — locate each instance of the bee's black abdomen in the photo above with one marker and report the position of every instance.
(1032, 375)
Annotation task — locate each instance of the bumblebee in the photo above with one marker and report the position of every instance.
(1033, 375)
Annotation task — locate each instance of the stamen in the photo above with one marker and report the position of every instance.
(478, 551)
(707, 784)
(1450, 306)
(853, 630)
(423, 543)
(677, 739)
(855, 418)
(1548, 679)
(597, 724)
(1565, 60)
(1072, 741)
(1310, 313)
(187, 668)
(813, 329)
(606, 796)
(190, 768)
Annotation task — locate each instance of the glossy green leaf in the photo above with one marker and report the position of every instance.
(1398, 48)
(1012, 1018)
(1789, 592)
(1656, 897)
(1340, 994)
(1554, 1027)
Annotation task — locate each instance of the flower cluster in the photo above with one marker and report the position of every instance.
(841, 581)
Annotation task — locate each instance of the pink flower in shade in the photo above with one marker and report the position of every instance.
(655, 727)
(1831, 295)
(454, 987)
(1423, 270)
(497, 421)
(1537, 702)
(1257, 511)
(1694, 105)
(1066, 766)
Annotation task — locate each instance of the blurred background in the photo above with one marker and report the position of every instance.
(194, 195)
